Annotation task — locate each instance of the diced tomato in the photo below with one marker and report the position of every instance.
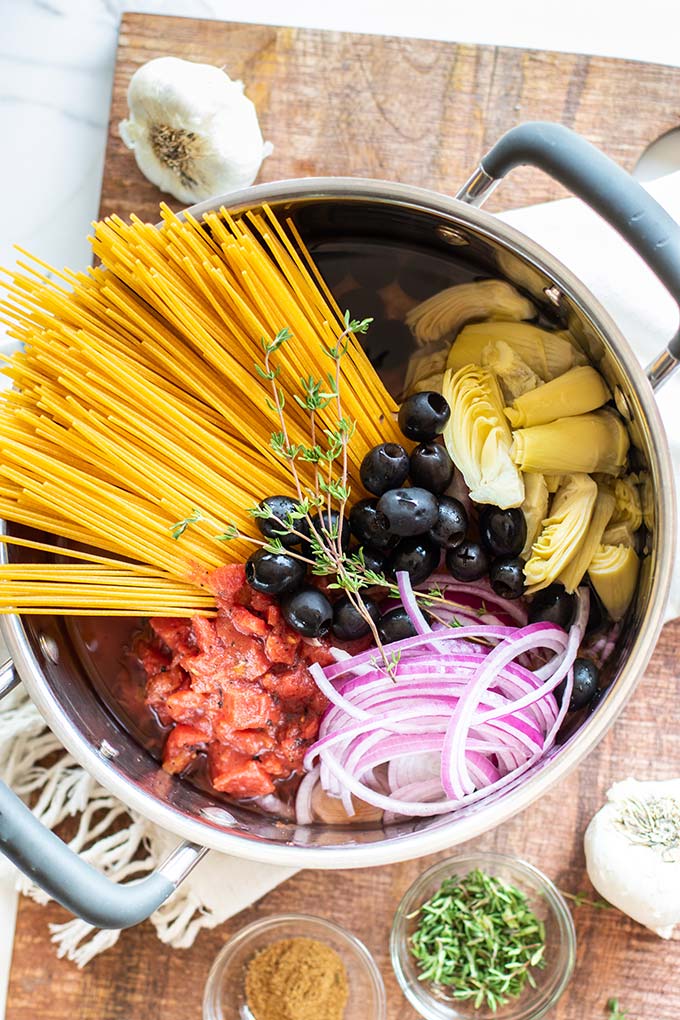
(275, 765)
(294, 684)
(235, 773)
(237, 686)
(161, 686)
(181, 747)
(247, 622)
(178, 635)
(249, 707)
(153, 659)
(261, 603)
(227, 583)
(282, 647)
(251, 742)
(194, 709)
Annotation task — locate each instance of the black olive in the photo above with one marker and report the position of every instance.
(395, 626)
(369, 526)
(323, 522)
(363, 303)
(451, 524)
(409, 511)
(418, 556)
(468, 561)
(503, 532)
(597, 614)
(348, 623)
(384, 467)
(375, 559)
(586, 680)
(431, 467)
(423, 416)
(308, 611)
(282, 507)
(274, 573)
(596, 699)
(506, 576)
(553, 605)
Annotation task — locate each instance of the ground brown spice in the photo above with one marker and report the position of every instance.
(297, 979)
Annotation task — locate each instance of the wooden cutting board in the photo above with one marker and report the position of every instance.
(421, 113)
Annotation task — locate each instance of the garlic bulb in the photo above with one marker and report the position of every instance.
(632, 850)
(192, 130)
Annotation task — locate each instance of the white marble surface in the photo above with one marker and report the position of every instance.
(56, 67)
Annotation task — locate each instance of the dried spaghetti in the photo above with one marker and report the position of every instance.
(135, 403)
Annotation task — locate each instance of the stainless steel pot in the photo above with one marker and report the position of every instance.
(59, 685)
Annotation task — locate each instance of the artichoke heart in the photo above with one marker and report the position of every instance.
(575, 570)
(578, 391)
(562, 532)
(618, 534)
(534, 508)
(613, 572)
(445, 313)
(547, 354)
(597, 441)
(425, 369)
(513, 374)
(628, 507)
(478, 438)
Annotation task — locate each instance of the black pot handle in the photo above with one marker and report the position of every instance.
(606, 187)
(74, 883)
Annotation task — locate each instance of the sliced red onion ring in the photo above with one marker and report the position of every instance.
(441, 728)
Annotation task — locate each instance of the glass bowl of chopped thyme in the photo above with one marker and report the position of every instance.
(483, 935)
(294, 967)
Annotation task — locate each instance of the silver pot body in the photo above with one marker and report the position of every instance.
(367, 210)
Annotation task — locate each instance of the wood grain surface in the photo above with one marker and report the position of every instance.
(422, 113)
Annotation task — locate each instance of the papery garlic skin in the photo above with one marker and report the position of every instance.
(641, 880)
(192, 130)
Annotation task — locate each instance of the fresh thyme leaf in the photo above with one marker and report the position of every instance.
(615, 1011)
(180, 527)
(229, 534)
(274, 545)
(581, 900)
(477, 939)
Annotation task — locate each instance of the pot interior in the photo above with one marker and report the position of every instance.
(380, 257)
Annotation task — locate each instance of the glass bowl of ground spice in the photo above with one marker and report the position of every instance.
(294, 967)
(482, 936)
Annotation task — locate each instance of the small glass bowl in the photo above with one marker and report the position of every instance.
(224, 996)
(544, 899)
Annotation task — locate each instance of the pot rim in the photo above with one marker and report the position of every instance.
(422, 842)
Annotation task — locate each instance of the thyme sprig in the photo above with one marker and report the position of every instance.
(477, 939)
(615, 1012)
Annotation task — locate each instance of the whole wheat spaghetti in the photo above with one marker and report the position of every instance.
(136, 404)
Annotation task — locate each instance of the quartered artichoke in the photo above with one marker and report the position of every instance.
(513, 374)
(425, 369)
(562, 532)
(575, 570)
(628, 505)
(478, 438)
(613, 572)
(618, 534)
(546, 354)
(595, 442)
(445, 313)
(578, 391)
(534, 508)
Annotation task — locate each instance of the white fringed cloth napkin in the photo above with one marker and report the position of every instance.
(219, 887)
